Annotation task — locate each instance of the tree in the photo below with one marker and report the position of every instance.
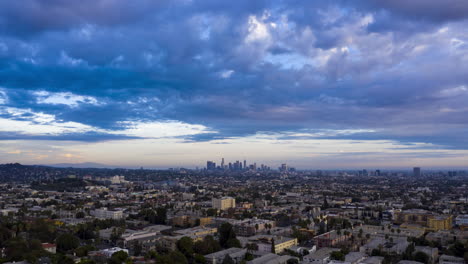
(62, 259)
(228, 260)
(207, 246)
(199, 259)
(409, 251)
(83, 250)
(273, 249)
(17, 249)
(66, 242)
(211, 212)
(118, 257)
(86, 261)
(85, 232)
(337, 255)
(226, 233)
(421, 257)
(177, 257)
(251, 247)
(115, 235)
(233, 242)
(325, 203)
(137, 248)
(80, 214)
(458, 249)
(185, 246)
(161, 217)
(5, 235)
(375, 252)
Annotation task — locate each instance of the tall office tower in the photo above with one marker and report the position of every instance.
(245, 164)
(283, 167)
(210, 165)
(222, 163)
(417, 172)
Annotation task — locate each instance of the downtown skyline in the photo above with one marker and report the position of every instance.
(313, 84)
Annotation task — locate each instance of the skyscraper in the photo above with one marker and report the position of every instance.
(283, 167)
(210, 165)
(222, 163)
(417, 172)
(245, 164)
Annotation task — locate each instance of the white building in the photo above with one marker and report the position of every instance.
(271, 258)
(236, 254)
(117, 179)
(321, 256)
(108, 214)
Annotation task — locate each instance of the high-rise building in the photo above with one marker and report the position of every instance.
(222, 163)
(245, 164)
(417, 172)
(283, 167)
(210, 165)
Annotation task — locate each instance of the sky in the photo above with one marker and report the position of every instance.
(174, 83)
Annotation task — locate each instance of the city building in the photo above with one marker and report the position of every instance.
(271, 258)
(51, 248)
(425, 219)
(330, 239)
(236, 254)
(440, 222)
(224, 203)
(108, 214)
(462, 221)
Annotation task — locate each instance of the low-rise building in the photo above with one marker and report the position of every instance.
(398, 245)
(330, 239)
(236, 254)
(104, 213)
(321, 256)
(51, 248)
(446, 259)
(271, 258)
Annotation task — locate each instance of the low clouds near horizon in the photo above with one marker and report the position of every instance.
(388, 78)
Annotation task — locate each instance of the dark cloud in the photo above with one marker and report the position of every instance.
(83, 137)
(434, 10)
(242, 67)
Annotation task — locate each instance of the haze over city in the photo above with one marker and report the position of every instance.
(159, 84)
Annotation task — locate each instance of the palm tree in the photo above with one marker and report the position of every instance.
(251, 247)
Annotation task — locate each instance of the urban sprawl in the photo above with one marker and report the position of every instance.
(232, 212)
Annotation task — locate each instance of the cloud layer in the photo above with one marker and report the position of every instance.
(110, 70)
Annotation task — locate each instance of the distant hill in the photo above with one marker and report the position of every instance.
(84, 165)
